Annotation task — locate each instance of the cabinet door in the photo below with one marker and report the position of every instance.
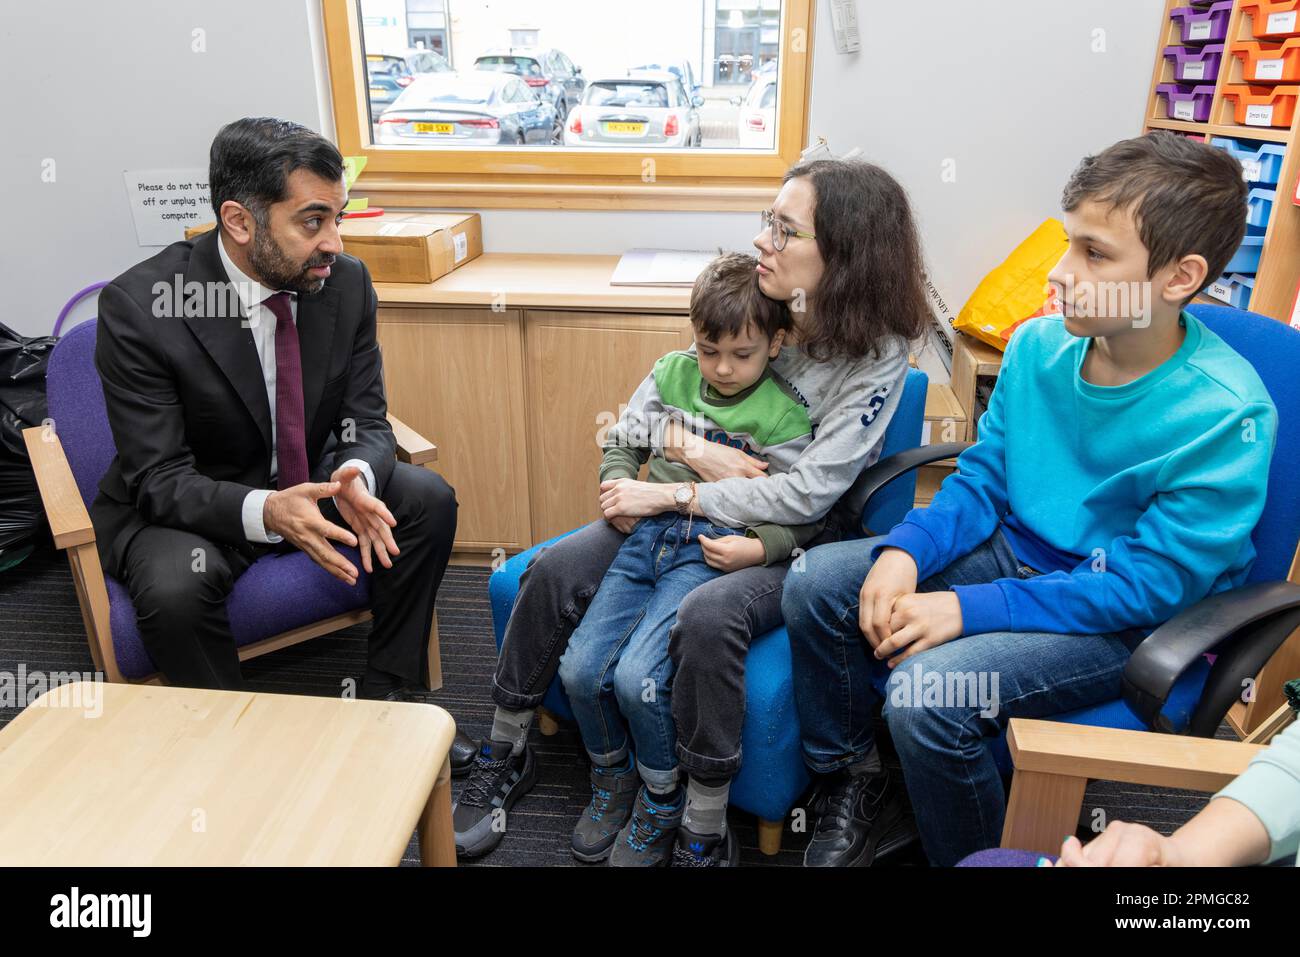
(581, 368)
(456, 377)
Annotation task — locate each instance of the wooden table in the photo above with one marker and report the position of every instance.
(116, 774)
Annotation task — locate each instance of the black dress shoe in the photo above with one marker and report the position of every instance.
(463, 750)
(855, 814)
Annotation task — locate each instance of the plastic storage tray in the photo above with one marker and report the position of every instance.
(1203, 25)
(1259, 203)
(1190, 103)
(1273, 19)
(1246, 259)
(1234, 289)
(1263, 105)
(1269, 62)
(1262, 162)
(1196, 64)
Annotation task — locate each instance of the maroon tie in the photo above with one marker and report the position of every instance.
(290, 430)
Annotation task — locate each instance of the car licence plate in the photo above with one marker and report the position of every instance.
(630, 129)
(443, 128)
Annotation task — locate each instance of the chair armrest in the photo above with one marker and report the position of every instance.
(66, 512)
(1132, 757)
(1258, 618)
(412, 447)
(873, 479)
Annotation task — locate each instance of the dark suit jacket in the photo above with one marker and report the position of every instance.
(187, 401)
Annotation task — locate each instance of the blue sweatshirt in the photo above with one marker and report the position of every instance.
(1135, 501)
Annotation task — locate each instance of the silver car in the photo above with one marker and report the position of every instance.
(640, 109)
(469, 109)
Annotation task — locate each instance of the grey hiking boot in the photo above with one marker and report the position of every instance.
(612, 796)
(647, 839)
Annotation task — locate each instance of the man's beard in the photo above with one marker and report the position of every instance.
(276, 270)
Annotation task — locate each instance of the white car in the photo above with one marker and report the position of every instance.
(756, 125)
(639, 110)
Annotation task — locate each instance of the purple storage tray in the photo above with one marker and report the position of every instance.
(1204, 26)
(1196, 64)
(1190, 103)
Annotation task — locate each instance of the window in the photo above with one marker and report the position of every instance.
(687, 73)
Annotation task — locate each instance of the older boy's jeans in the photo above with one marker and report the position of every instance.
(943, 705)
(616, 669)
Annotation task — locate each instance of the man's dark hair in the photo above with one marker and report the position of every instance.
(1187, 198)
(251, 159)
(873, 282)
(726, 298)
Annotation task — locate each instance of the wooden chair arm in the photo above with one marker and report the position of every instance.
(69, 520)
(412, 447)
(1133, 757)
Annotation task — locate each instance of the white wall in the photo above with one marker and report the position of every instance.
(1012, 91)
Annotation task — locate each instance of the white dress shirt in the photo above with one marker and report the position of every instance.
(261, 322)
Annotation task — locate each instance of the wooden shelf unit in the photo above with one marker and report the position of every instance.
(1279, 267)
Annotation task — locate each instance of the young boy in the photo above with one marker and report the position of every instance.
(1120, 469)
(617, 669)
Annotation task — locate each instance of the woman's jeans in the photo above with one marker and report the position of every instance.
(616, 668)
(943, 706)
(708, 644)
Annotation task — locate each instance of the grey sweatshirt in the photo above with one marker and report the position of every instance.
(850, 402)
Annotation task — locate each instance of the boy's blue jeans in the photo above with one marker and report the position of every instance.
(616, 668)
(944, 705)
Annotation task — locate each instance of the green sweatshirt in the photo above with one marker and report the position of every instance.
(766, 420)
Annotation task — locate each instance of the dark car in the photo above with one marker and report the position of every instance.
(549, 72)
(469, 109)
(388, 74)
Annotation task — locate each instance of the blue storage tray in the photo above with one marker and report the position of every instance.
(1259, 204)
(1261, 161)
(1234, 289)
(1246, 259)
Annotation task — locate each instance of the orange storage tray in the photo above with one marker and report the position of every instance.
(1273, 19)
(1263, 105)
(1269, 62)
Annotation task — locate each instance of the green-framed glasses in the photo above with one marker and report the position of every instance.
(781, 233)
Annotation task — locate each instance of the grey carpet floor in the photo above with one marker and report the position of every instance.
(41, 628)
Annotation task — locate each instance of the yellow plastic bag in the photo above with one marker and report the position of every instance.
(1017, 290)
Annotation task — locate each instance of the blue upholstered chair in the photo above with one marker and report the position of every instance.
(282, 599)
(1190, 673)
(773, 776)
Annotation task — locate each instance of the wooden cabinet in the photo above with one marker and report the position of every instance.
(457, 373)
(580, 368)
(512, 365)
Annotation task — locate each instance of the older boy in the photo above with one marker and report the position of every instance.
(1120, 469)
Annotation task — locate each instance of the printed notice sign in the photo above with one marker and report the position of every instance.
(166, 201)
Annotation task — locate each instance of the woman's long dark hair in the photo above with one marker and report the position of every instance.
(872, 286)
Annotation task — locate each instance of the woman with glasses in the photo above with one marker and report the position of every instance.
(840, 248)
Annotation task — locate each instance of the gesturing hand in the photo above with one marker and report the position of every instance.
(368, 516)
(293, 513)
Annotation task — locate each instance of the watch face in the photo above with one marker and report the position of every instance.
(682, 495)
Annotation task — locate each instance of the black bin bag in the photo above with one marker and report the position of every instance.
(22, 405)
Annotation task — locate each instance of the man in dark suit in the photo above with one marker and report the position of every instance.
(245, 393)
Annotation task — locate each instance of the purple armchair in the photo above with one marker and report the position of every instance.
(283, 599)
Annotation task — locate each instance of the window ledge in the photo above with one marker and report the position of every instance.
(552, 192)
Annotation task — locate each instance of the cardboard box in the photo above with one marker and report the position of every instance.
(413, 247)
(945, 420)
(972, 360)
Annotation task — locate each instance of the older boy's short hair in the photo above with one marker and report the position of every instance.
(1187, 197)
(726, 298)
